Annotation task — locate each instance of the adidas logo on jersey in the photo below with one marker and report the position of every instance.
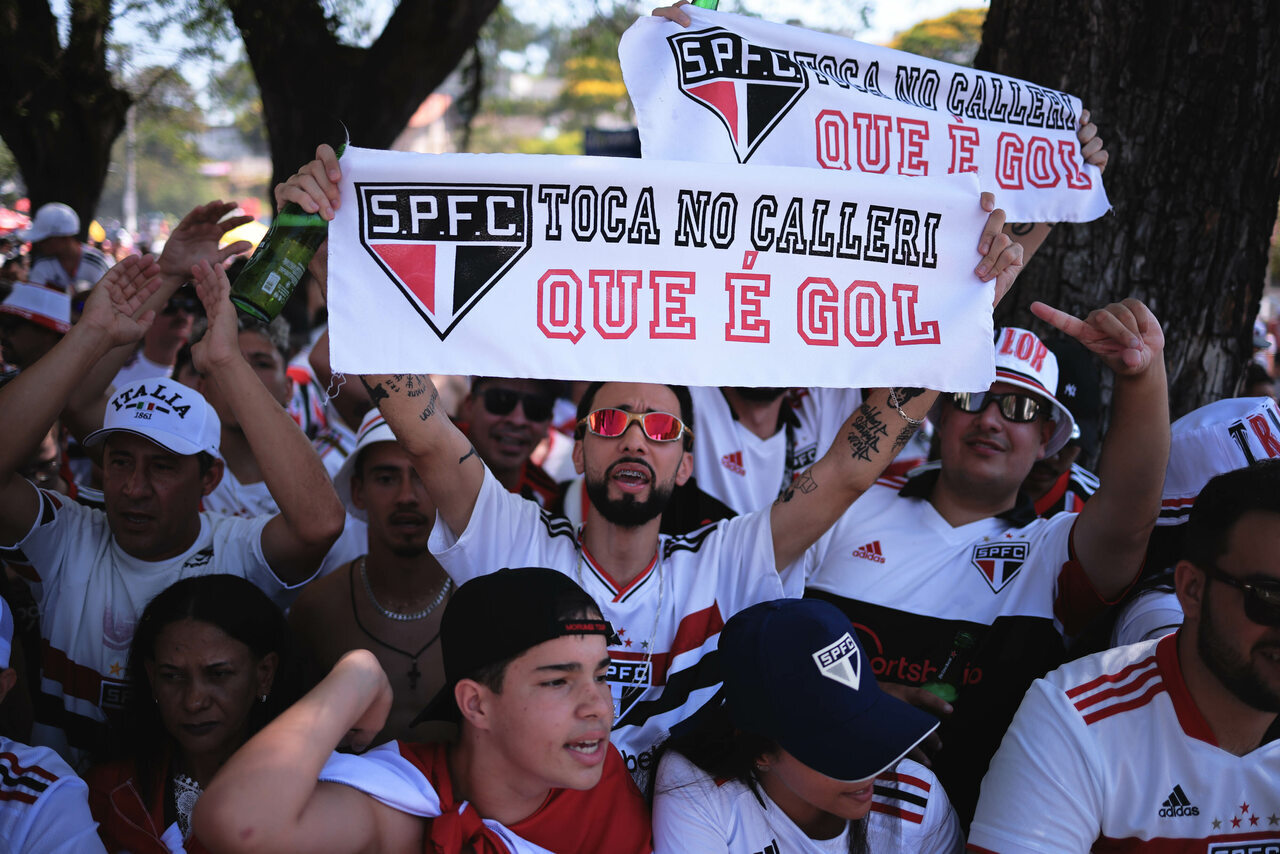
(1177, 804)
(733, 462)
(871, 551)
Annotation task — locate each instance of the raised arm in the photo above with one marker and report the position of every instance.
(873, 435)
(311, 516)
(444, 459)
(29, 404)
(267, 798)
(1110, 537)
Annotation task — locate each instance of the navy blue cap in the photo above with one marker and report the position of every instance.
(794, 672)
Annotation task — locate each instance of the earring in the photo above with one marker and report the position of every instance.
(262, 699)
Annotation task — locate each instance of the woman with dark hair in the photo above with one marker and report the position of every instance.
(206, 671)
(804, 754)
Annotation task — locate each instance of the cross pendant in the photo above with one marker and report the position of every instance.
(414, 673)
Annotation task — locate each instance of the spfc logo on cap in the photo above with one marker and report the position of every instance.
(840, 661)
(1000, 562)
(749, 87)
(445, 245)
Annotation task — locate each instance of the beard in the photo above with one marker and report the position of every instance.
(627, 511)
(761, 394)
(1235, 671)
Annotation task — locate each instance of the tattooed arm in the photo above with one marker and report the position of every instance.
(442, 456)
(867, 443)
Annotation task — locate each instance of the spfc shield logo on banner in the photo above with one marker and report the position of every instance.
(749, 87)
(445, 245)
(1000, 562)
(628, 680)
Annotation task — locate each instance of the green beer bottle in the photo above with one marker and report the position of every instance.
(951, 675)
(278, 264)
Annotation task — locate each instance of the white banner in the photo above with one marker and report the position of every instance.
(617, 269)
(740, 90)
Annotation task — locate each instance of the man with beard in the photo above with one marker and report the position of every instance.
(667, 596)
(1172, 744)
(389, 600)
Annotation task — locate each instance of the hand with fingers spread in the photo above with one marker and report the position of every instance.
(1126, 335)
(314, 187)
(196, 239)
(221, 342)
(115, 306)
(1002, 258)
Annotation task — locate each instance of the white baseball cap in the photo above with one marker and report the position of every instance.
(52, 220)
(1023, 360)
(174, 416)
(6, 633)
(373, 429)
(1216, 438)
(45, 306)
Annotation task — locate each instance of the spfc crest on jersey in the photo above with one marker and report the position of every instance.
(748, 87)
(1000, 562)
(445, 245)
(628, 680)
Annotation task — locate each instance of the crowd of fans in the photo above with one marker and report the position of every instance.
(249, 605)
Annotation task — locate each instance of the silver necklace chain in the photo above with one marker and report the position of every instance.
(397, 615)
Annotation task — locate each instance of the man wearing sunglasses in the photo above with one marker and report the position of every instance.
(962, 591)
(158, 352)
(1171, 744)
(505, 419)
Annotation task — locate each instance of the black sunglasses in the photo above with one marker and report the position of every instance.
(1261, 599)
(181, 301)
(1014, 406)
(501, 401)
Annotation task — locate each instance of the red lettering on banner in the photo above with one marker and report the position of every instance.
(1041, 170)
(560, 305)
(912, 135)
(1006, 341)
(1262, 430)
(671, 290)
(864, 314)
(1076, 178)
(817, 312)
(872, 133)
(616, 297)
(964, 148)
(910, 329)
(1009, 150)
(831, 135)
(745, 321)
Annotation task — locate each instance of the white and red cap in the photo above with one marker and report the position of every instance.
(1023, 360)
(174, 416)
(373, 429)
(44, 306)
(1216, 438)
(52, 220)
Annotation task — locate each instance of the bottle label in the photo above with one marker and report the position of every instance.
(270, 283)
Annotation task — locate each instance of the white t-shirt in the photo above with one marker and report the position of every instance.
(91, 594)
(1150, 615)
(139, 367)
(44, 806)
(667, 619)
(48, 270)
(1110, 753)
(910, 813)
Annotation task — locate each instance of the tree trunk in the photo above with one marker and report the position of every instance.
(1186, 95)
(61, 111)
(309, 81)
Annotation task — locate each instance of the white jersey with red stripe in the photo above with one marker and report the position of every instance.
(910, 813)
(745, 472)
(987, 601)
(667, 619)
(44, 806)
(1110, 753)
(91, 594)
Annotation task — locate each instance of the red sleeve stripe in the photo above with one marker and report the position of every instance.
(24, 797)
(1118, 691)
(980, 849)
(908, 779)
(11, 761)
(905, 815)
(1110, 677)
(1135, 703)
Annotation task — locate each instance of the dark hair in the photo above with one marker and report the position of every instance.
(682, 395)
(1222, 502)
(236, 607)
(715, 745)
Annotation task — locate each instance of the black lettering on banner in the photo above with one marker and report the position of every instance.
(791, 235)
(554, 196)
(691, 217)
(724, 220)
(821, 242)
(918, 86)
(908, 229)
(929, 256)
(850, 246)
(583, 206)
(442, 212)
(761, 235)
(613, 225)
(878, 218)
(644, 222)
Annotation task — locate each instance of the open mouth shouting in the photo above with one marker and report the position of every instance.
(631, 475)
